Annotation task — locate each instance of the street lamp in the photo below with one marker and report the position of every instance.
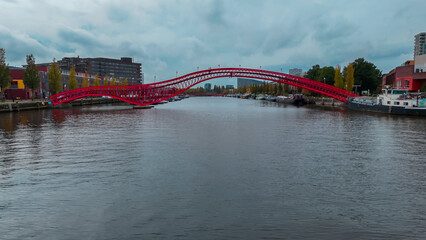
(176, 73)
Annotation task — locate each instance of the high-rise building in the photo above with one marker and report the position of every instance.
(68, 62)
(208, 86)
(296, 72)
(243, 82)
(419, 44)
(119, 68)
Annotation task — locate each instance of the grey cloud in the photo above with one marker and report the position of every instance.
(216, 14)
(74, 37)
(127, 48)
(181, 35)
(9, 1)
(281, 39)
(118, 15)
(331, 32)
(17, 49)
(390, 50)
(80, 42)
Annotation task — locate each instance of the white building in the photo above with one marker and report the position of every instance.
(419, 44)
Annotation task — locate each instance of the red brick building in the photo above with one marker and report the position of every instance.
(17, 89)
(404, 77)
(411, 75)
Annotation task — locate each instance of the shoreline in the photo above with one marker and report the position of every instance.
(37, 104)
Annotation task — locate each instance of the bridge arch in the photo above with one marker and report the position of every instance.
(146, 94)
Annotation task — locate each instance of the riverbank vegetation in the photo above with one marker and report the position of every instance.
(72, 81)
(5, 77)
(31, 78)
(358, 76)
(54, 78)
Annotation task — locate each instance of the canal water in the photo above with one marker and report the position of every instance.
(211, 168)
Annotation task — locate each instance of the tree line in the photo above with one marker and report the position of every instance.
(5, 77)
(55, 80)
(269, 88)
(361, 73)
(216, 89)
(31, 77)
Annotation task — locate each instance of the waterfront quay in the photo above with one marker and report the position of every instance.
(37, 104)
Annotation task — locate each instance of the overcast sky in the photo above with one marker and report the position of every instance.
(170, 36)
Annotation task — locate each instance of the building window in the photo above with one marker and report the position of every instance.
(398, 83)
(396, 103)
(406, 103)
(407, 83)
(389, 102)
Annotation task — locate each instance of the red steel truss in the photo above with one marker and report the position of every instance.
(155, 92)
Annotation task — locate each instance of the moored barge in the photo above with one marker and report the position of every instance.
(392, 101)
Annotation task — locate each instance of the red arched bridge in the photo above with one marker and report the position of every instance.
(146, 94)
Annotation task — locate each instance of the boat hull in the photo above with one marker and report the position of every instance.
(387, 109)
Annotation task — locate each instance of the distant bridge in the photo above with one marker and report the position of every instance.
(146, 94)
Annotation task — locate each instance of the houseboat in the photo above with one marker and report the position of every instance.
(392, 101)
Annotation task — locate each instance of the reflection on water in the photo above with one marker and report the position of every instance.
(213, 168)
(10, 122)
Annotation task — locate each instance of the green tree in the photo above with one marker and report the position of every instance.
(349, 77)
(280, 89)
(338, 81)
(324, 74)
(120, 82)
(306, 92)
(112, 81)
(96, 81)
(125, 83)
(106, 80)
(286, 89)
(264, 87)
(31, 78)
(366, 74)
(314, 72)
(5, 79)
(85, 82)
(2, 56)
(54, 78)
(254, 89)
(327, 74)
(72, 81)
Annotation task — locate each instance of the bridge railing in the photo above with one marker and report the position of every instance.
(155, 92)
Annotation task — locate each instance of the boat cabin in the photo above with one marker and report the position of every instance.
(401, 98)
